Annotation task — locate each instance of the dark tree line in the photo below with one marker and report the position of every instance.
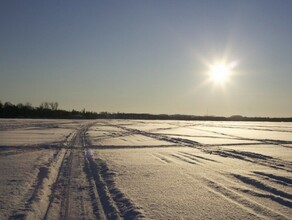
(45, 110)
(50, 110)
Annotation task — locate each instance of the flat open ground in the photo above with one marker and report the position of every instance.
(132, 169)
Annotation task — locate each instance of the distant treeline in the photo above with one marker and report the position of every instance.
(45, 110)
(50, 110)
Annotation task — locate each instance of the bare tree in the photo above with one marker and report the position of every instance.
(46, 105)
(54, 105)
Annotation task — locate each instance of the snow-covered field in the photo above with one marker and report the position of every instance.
(110, 169)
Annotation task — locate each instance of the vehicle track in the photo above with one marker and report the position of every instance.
(255, 158)
(59, 206)
(241, 201)
(110, 202)
(61, 186)
(72, 194)
(106, 201)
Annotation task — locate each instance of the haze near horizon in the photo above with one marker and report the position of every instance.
(174, 57)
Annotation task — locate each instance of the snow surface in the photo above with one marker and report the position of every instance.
(231, 170)
(29, 132)
(145, 169)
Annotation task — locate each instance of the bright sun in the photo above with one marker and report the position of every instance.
(220, 72)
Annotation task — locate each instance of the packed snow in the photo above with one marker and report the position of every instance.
(153, 169)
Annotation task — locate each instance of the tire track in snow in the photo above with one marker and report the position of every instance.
(93, 191)
(254, 158)
(35, 199)
(253, 185)
(198, 157)
(275, 198)
(161, 137)
(161, 158)
(275, 178)
(262, 186)
(234, 195)
(251, 206)
(264, 141)
(231, 188)
(190, 157)
(184, 159)
(62, 189)
(107, 200)
(228, 188)
(242, 155)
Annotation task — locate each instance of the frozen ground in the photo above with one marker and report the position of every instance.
(111, 169)
(29, 132)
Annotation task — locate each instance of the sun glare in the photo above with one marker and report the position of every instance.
(220, 72)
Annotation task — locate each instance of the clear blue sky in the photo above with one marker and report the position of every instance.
(146, 56)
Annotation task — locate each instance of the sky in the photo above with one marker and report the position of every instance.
(148, 56)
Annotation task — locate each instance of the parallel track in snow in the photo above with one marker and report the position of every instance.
(100, 198)
(62, 183)
(106, 200)
(110, 202)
